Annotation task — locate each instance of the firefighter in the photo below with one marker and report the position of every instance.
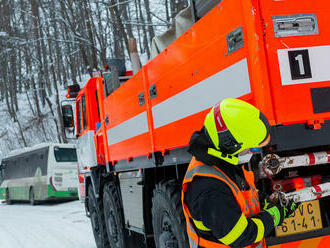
(220, 201)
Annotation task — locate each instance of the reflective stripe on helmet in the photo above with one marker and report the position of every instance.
(219, 123)
(235, 232)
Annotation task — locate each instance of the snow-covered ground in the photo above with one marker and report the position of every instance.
(60, 225)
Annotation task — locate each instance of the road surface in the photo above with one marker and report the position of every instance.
(60, 225)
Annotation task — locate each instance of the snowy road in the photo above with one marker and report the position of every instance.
(60, 225)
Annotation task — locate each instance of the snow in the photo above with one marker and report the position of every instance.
(51, 225)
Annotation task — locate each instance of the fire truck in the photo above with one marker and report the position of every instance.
(133, 130)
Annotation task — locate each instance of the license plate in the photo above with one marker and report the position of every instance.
(72, 189)
(306, 218)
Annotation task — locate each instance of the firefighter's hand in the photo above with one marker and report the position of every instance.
(277, 211)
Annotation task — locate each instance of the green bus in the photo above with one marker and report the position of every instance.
(43, 172)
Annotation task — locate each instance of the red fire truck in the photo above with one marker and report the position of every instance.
(133, 138)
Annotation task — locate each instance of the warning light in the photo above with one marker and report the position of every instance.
(72, 95)
(73, 91)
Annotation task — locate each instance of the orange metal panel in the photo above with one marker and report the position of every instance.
(123, 103)
(257, 58)
(319, 242)
(325, 242)
(199, 53)
(130, 148)
(126, 116)
(293, 103)
(310, 243)
(287, 245)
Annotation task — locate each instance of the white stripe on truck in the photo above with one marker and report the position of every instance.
(128, 129)
(231, 82)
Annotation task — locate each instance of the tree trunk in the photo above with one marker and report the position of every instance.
(36, 23)
(90, 35)
(29, 101)
(54, 118)
(150, 27)
(119, 24)
(145, 38)
(20, 130)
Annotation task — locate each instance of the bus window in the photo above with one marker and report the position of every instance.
(83, 106)
(78, 117)
(43, 161)
(65, 154)
(2, 168)
(10, 169)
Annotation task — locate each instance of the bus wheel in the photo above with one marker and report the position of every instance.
(8, 201)
(167, 216)
(32, 197)
(97, 220)
(113, 216)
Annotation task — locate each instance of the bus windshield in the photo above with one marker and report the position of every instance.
(65, 154)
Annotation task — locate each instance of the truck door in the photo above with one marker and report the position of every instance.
(297, 44)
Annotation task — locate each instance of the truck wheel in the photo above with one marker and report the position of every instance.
(113, 215)
(8, 201)
(31, 197)
(97, 220)
(167, 216)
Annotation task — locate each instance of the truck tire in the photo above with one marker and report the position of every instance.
(167, 216)
(31, 197)
(97, 220)
(8, 201)
(113, 216)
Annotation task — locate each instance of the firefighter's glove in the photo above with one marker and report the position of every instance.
(277, 211)
(291, 207)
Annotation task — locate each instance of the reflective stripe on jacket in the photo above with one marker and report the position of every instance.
(247, 200)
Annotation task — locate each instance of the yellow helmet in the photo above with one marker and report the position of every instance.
(233, 126)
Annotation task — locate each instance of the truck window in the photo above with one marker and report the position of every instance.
(106, 84)
(65, 154)
(83, 106)
(78, 117)
(97, 105)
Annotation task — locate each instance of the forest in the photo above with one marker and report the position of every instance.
(46, 45)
